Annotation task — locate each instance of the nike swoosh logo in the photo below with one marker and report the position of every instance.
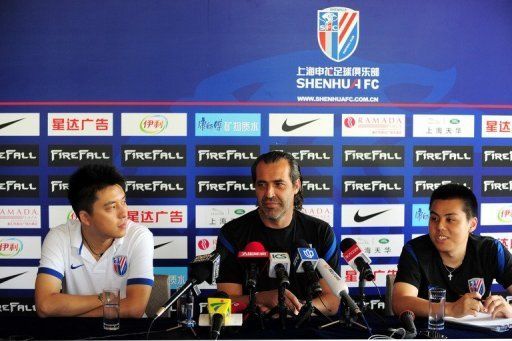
(73, 267)
(6, 124)
(286, 127)
(360, 219)
(163, 244)
(5, 279)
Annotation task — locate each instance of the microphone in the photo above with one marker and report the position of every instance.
(356, 258)
(219, 310)
(338, 286)
(256, 256)
(279, 267)
(305, 261)
(202, 268)
(407, 319)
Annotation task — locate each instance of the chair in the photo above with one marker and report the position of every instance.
(160, 293)
(388, 309)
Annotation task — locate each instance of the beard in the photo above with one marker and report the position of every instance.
(272, 213)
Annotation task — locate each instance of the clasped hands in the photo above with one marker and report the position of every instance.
(472, 303)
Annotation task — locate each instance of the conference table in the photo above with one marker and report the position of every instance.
(34, 328)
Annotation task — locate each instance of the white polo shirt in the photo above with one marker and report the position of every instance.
(128, 261)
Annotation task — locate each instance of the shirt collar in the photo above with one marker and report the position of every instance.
(76, 236)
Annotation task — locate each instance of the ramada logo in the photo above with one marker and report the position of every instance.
(10, 247)
(203, 244)
(153, 124)
(349, 122)
(505, 214)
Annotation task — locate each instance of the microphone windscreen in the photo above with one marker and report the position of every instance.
(346, 244)
(407, 314)
(200, 272)
(407, 319)
(255, 247)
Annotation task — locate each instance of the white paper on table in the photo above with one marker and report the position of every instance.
(483, 320)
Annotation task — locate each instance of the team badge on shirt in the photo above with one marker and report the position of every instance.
(120, 264)
(476, 285)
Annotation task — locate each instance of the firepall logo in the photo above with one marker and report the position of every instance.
(10, 247)
(338, 32)
(153, 124)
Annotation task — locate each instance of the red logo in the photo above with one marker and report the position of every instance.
(203, 244)
(352, 252)
(349, 122)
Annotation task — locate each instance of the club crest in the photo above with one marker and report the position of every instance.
(476, 285)
(338, 32)
(120, 264)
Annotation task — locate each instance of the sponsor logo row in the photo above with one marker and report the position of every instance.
(215, 216)
(320, 186)
(249, 124)
(176, 247)
(245, 155)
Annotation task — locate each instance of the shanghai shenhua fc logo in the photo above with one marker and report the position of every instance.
(338, 32)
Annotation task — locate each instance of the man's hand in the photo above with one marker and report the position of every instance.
(497, 306)
(468, 304)
(266, 300)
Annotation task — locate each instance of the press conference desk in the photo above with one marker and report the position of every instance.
(32, 328)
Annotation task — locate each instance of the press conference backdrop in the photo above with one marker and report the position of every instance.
(379, 102)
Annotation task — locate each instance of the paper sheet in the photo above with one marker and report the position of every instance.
(483, 320)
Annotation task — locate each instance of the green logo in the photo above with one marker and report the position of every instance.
(454, 121)
(383, 240)
(239, 211)
(217, 306)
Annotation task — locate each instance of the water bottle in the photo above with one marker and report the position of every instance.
(187, 310)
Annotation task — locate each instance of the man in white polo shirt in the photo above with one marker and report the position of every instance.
(103, 249)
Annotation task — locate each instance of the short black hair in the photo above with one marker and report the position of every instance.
(86, 181)
(457, 191)
(275, 156)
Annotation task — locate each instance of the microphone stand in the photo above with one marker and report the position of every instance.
(283, 311)
(363, 305)
(346, 319)
(281, 307)
(307, 309)
(252, 310)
